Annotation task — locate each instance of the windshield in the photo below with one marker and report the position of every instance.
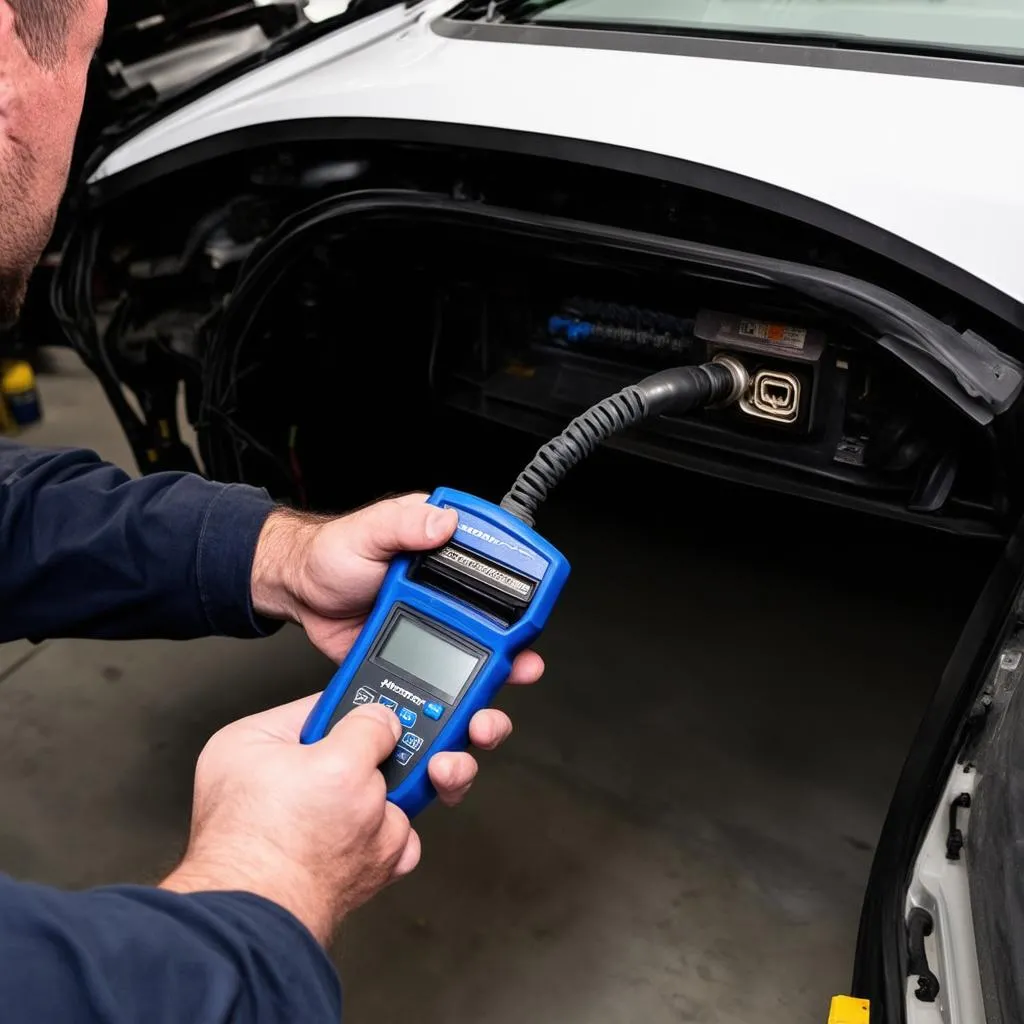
(986, 27)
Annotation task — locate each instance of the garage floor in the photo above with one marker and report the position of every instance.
(681, 829)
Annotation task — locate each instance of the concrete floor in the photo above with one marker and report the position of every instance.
(682, 827)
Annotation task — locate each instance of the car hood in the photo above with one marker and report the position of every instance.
(934, 161)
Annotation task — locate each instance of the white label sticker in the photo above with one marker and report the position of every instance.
(774, 334)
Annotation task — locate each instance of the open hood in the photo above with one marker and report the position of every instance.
(155, 49)
(156, 53)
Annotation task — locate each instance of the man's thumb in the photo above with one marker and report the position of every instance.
(388, 529)
(365, 737)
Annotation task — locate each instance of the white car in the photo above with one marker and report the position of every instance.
(428, 217)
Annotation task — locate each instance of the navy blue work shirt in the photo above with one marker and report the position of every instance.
(85, 551)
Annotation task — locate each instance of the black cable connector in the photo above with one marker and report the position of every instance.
(679, 391)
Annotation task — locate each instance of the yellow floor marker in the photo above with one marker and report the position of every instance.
(849, 1011)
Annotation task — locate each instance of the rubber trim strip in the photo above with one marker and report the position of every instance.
(976, 377)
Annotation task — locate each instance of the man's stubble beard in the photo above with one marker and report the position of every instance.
(13, 292)
(24, 233)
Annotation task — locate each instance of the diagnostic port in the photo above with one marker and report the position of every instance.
(773, 395)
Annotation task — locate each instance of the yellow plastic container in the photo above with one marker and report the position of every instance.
(21, 396)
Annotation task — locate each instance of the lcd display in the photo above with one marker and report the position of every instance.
(422, 653)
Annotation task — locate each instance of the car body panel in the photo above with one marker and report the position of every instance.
(904, 873)
(932, 161)
(940, 886)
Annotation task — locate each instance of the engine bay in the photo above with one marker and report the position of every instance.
(320, 300)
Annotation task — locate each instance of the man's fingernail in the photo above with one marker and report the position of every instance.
(439, 524)
(388, 716)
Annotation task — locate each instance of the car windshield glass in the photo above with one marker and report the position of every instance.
(984, 27)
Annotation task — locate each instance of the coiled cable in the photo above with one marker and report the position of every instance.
(680, 390)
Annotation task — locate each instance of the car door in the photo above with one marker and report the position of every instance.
(944, 907)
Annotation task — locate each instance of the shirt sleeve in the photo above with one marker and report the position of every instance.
(86, 551)
(124, 955)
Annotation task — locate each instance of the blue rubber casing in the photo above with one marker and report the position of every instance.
(493, 534)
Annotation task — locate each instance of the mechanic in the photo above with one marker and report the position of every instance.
(286, 840)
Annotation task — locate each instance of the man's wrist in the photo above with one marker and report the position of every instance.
(279, 561)
(290, 889)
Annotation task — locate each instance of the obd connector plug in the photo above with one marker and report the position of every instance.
(679, 391)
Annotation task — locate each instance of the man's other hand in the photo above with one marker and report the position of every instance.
(306, 827)
(325, 574)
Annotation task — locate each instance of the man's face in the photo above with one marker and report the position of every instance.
(40, 108)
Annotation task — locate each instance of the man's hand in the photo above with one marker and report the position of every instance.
(306, 827)
(325, 575)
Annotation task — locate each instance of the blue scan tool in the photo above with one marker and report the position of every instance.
(442, 637)
(447, 625)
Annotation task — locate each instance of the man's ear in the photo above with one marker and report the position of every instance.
(8, 35)
(9, 64)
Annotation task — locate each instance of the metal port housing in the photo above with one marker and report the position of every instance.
(773, 395)
(740, 379)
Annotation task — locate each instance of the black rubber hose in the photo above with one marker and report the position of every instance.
(679, 391)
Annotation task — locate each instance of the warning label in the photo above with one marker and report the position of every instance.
(774, 334)
(756, 333)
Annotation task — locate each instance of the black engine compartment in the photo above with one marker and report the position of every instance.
(454, 313)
